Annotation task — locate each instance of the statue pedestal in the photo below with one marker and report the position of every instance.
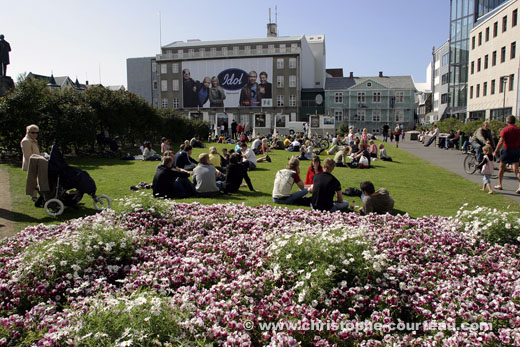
(6, 83)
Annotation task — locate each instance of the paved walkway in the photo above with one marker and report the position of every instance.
(452, 160)
(6, 225)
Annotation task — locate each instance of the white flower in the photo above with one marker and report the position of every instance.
(63, 263)
(140, 300)
(155, 310)
(288, 256)
(314, 303)
(508, 226)
(308, 275)
(328, 272)
(125, 343)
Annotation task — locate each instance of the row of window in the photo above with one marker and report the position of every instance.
(503, 54)
(504, 80)
(280, 102)
(282, 48)
(478, 38)
(361, 97)
(376, 116)
(280, 83)
(280, 63)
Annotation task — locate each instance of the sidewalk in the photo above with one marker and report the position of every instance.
(452, 160)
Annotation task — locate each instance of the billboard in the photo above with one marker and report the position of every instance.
(227, 83)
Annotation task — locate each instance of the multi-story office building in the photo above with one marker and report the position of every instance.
(289, 66)
(371, 102)
(494, 64)
(142, 78)
(463, 15)
(440, 82)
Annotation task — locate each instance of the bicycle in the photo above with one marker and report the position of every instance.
(470, 162)
(319, 142)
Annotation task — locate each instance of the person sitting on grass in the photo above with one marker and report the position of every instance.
(286, 142)
(236, 171)
(283, 183)
(379, 202)
(184, 160)
(264, 147)
(195, 142)
(325, 187)
(224, 158)
(165, 145)
(215, 158)
(149, 153)
(372, 149)
(170, 183)
(249, 157)
(363, 152)
(340, 159)
(314, 168)
(205, 178)
(382, 153)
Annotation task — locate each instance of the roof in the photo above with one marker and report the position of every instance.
(116, 87)
(390, 82)
(196, 43)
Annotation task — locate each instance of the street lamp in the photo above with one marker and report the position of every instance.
(504, 83)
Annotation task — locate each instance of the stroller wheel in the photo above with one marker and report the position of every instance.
(102, 202)
(54, 207)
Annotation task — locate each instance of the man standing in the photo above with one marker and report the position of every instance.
(189, 90)
(234, 126)
(379, 202)
(324, 188)
(385, 132)
(510, 154)
(249, 94)
(284, 181)
(5, 48)
(481, 137)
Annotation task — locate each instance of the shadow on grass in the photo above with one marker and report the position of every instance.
(69, 213)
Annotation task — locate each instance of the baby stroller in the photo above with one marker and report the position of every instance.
(62, 179)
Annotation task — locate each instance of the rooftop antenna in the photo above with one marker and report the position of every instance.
(269, 15)
(160, 31)
(276, 19)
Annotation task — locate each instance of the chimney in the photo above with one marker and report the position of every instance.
(351, 74)
(272, 30)
(380, 73)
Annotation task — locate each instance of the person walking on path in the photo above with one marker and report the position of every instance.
(510, 154)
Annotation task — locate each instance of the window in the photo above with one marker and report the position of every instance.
(511, 82)
(235, 50)
(292, 81)
(486, 61)
(280, 101)
(175, 85)
(492, 91)
(494, 58)
(473, 42)
(504, 23)
(247, 49)
(480, 38)
(445, 98)
(169, 51)
(259, 49)
(471, 92)
(512, 54)
(399, 115)
(361, 115)
(224, 51)
(175, 68)
(338, 97)
(369, 84)
(294, 47)
(154, 67)
(446, 78)
(495, 29)
(484, 89)
(283, 48)
(180, 53)
(487, 34)
(399, 97)
(292, 63)
(213, 52)
(376, 97)
(279, 81)
(477, 94)
(164, 85)
(514, 18)
(164, 103)
(501, 86)
(175, 103)
(361, 97)
(445, 59)
(164, 68)
(478, 65)
(202, 51)
(279, 63)
(376, 115)
(338, 115)
(154, 84)
(270, 49)
(503, 54)
(292, 100)
(191, 52)
(472, 67)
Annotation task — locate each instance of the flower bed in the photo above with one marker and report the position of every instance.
(162, 273)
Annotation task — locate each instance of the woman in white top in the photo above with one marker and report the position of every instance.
(29, 145)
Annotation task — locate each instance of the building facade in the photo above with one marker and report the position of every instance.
(290, 65)
(371, 102)
(463, 15)
(494, 64)
(142, 78)
(440, 82)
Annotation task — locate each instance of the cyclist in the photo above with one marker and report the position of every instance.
(481, 137)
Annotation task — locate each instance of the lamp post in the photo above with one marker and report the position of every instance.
(504, 84)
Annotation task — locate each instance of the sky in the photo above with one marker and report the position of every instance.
(91, 40)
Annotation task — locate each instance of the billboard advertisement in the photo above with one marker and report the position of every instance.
(227, 83)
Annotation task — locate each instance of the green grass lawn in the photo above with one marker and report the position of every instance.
(418, 187)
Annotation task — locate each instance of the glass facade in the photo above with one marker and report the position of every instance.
(463, 15)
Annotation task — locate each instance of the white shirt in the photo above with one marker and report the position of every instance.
(256, 144)
(249, 155)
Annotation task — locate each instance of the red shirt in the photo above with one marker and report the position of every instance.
(511, 136)
(310, 175)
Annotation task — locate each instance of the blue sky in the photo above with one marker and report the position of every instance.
(94, 38)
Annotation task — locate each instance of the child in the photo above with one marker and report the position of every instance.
(487, 166)
(382, 153)
(372, 149)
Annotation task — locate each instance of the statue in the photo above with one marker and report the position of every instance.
(5, 48)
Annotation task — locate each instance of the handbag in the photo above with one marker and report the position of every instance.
(363, 162)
